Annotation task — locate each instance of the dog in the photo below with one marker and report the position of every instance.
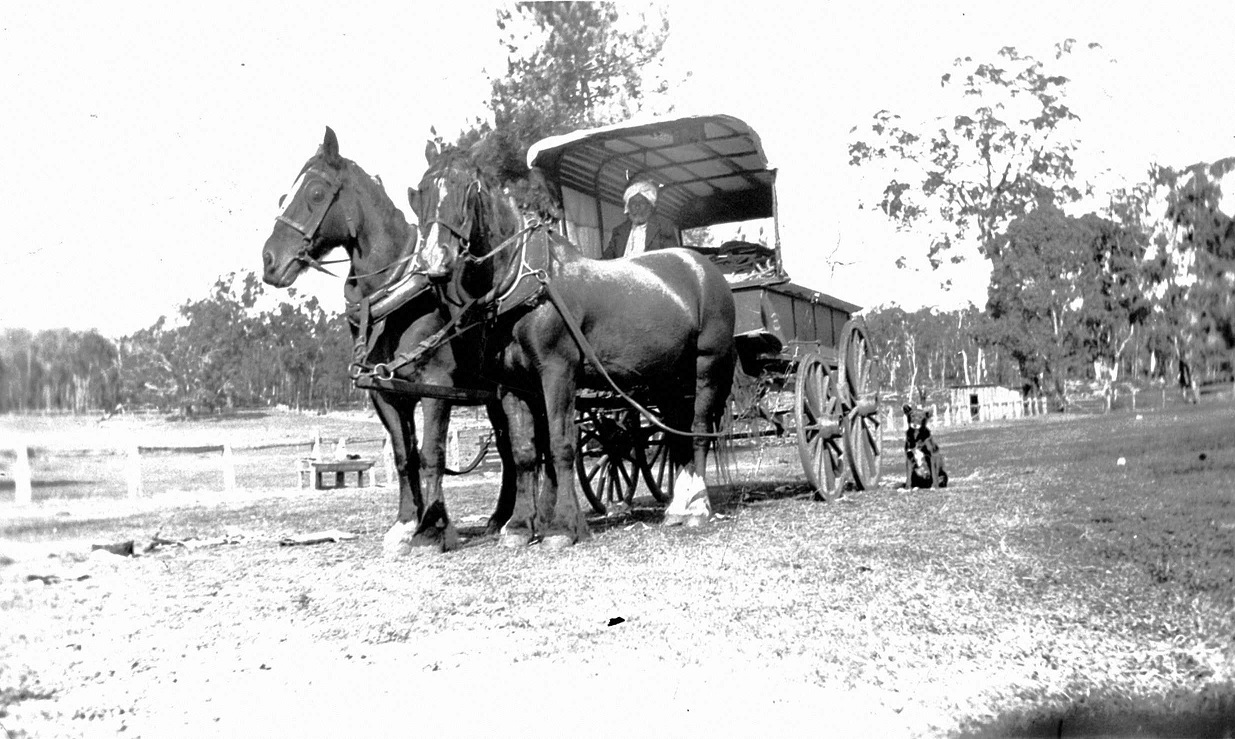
(923, 459)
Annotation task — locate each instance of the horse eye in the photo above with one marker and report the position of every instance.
(317, 194)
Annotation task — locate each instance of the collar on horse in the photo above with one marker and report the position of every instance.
(521, 285)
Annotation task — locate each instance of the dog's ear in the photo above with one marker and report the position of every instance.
(907, 408)
(928, 414)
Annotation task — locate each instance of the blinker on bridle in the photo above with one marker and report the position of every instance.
(309, 228)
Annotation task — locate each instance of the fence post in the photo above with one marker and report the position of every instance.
(134, 471)
(229, 468)
(388, 462)
(452, 449)
(21, 474)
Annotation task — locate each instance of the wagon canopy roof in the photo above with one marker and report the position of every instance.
(712, 168)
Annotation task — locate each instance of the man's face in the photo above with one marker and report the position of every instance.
(639, 210)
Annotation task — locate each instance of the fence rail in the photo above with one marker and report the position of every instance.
(221, 455)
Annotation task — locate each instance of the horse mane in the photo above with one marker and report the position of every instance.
(386, 207)
(532, 195)
(504, 213)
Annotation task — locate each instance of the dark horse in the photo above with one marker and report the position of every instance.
(335, 203)
(660, 324)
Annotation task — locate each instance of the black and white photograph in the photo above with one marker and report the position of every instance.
(656, 368)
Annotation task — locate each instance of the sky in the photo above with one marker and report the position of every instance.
(147, 144)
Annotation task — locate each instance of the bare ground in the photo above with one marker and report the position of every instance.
(1048, 590)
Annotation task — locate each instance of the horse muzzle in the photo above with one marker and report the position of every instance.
(280, 269)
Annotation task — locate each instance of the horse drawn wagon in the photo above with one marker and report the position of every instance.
(805, 366)
(520, 321)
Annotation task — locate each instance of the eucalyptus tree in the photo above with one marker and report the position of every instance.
(965, 176)
(1201, 264)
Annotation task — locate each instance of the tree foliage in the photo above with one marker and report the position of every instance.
(970, 174)
(571, 65)
(221, 351)
(926, 350)
(1066, 292)
(56, 370)
(1204, 256)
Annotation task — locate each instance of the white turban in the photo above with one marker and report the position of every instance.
(641, 187)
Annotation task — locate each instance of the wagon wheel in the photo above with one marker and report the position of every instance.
(608, 457)
(817, 412)
(859, 393)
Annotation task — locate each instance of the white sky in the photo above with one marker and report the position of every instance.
(147, 144)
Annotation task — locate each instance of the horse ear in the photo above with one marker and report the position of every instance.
(413, 199)
(432, 150)
(330, 146)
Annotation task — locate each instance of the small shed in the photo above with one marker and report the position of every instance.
(985, 402)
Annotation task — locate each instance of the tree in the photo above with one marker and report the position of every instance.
(928, 350)
(57, 369)
(1036, 293)
(571, 65)
(1116, 299)
(977, 171)
(1204, 260)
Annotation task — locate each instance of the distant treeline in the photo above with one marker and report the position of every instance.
(217, 353)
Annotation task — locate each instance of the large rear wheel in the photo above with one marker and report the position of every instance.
(859, 391)
(817, 413)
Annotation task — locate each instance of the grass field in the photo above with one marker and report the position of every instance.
(1050, 590)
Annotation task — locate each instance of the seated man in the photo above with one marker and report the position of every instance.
(643, 230)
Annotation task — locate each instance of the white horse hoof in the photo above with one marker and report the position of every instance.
(398, 540)
(558, 542)
(516, 541)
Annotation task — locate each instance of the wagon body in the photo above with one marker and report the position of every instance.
(712, 170)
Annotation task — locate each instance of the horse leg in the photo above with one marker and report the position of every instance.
(520, 526)
(435, 529)
(506, 495)
(691, 504)
(395, 416)
(564, 523)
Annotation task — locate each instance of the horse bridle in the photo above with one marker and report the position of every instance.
(308, 230)
(461, 231)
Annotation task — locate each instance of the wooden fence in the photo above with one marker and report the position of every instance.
(462, 444)
(960, 415)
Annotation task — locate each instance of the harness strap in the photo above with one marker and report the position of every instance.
(428, 345)
(590, 354)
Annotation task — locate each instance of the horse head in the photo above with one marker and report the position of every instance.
(317, 215)
(462, 209)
